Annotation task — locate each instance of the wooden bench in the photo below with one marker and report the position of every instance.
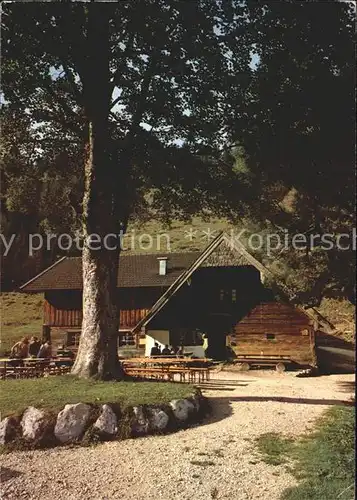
(18, 372)
(248, 360)
(183, 373)
(56, 370)
(203, 374)
(141, 372)
(189, 374)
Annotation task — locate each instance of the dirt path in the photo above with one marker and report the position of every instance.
(214, 460)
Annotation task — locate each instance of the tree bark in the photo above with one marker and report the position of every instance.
(97, 354)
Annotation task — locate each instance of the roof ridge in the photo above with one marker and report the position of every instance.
(43, 272)
(159, 254)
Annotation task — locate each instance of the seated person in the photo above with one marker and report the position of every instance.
(166, 351)
(34, 347)
(155, 351)
(20, 350)
(45, 350)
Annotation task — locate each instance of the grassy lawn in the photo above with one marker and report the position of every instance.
(323, 462)
(21, 315)
(54, 392)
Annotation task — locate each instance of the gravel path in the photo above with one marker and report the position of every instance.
(214, 460)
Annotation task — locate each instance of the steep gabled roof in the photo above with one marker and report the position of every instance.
(241, 257)
(141, 270)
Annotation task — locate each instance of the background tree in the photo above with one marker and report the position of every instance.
(139, 89)
(125, 64)
(297, 131)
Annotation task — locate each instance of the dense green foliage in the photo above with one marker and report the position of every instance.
(246, 114)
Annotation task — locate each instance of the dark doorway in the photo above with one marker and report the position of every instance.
(217, 330)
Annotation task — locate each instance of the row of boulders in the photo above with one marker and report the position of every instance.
(83, 422)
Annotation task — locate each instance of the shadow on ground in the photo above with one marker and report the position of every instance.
(347, 386)
(6, 474)
(221, 407)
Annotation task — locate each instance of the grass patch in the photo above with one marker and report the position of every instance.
(21, 315)
(323, 462)
(52, 393)
(341, 313)
(274, 448)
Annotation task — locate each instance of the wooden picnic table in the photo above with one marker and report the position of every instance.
(166, 361)
(53, 359)
(168, 367)
(10, 366)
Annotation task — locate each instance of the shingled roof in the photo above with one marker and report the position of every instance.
(140, 270)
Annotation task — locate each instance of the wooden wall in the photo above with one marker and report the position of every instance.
(292, 329)
(63, 308)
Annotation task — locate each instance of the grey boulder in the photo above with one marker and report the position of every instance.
(158, 419)
(71, 422)
(140, 423)
(107, 422)
(34, 424)
(8, 430)
(182, 409)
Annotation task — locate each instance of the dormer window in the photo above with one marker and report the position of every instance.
(162, 266)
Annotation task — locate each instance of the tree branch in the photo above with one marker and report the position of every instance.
(115, 102)
(72, 81)
(121, 66)
(149, 73)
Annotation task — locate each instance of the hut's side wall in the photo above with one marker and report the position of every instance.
(63, 308)
(275, 329)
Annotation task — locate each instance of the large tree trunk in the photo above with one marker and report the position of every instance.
(97, 354)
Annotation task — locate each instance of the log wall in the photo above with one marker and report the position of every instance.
(64, 308)
(294, 336)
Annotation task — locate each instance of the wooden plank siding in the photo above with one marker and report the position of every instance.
(63, 308)
(53, 316)
(294, 336)
(130, 317)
